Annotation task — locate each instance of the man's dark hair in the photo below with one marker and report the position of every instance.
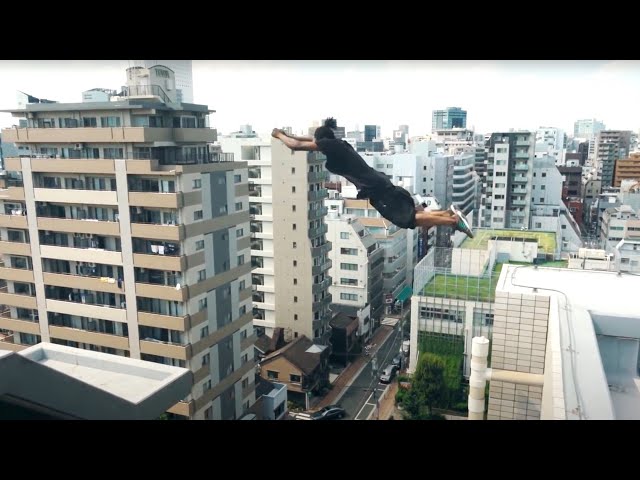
(326, 131)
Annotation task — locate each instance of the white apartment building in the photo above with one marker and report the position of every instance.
(551, 141)
(289, 251)
(506, 199)
(548, 211)
(357, 266)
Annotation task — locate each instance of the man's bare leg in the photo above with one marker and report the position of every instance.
(437, 213)
(428, 219)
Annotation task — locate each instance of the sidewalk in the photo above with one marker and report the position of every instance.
(388, 403)
(349, 373)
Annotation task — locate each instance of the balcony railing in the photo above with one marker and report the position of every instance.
(185, 159)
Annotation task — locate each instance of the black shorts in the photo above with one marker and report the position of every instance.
(396, 205)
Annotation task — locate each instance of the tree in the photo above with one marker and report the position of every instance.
(427, 387)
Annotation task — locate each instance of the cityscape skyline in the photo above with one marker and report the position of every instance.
(241, 91)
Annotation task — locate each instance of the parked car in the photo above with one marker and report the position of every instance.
(397, 360)
(329, 412)
(388, 373)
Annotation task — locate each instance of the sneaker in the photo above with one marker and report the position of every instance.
(463, 224)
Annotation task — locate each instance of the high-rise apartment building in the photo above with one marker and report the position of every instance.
(588, 128)
(627, 169)
(611, 146)
(127, 233)
(506, 202)
(289, 249)
(357, 262)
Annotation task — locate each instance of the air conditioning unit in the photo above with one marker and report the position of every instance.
(78, 146)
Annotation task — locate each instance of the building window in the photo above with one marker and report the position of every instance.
(293, 208)
(349, 266)
(206, 386)
(197, 183)
(208, 413)
(295, 378)
(206, 358)
(295, 316)
(238, 206)
(538, 225)
(352, 297)
(349, 251)
(272, 375)
(204, 331)
(295, 299)
(544, 174)
(293, 170)
(542, 187)
(89, 122)
(197, 215)
(241, 285)
(295, 334)
(240, 259)
(295, 263)
(293, 189)
(348, 281)
(109, 122)
(245, 383)
(240, 232)
(541, 200)
(202, 304)
(202, 274)
(295, 281)
(199, 244)
(237, 178)
(295, 244)
(242, 310)
(344, 235)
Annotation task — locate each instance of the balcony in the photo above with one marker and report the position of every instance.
(164, 349)
(323, 285)
(96, 227)
(164, 292)
(80, 282)
(170, 322)
(520, 154)
(318, 194)
(160, 262)
(155, 200)
(519, 191)
(13, 221)
(316, 232)
(318, 269)
(17, 300)
(317, 176)
(85, 336)
(520, 179)
(321, 250)
(322, 302)
(521, 167)
(88, 255)
(158, 231)
(81, 197)
(519, 203)
(109, 135)
(16, 274)
(12, 193)
(87, 310)
(45, 163)
(15, 248)
(18, 325)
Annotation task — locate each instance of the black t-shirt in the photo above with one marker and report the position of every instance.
(343, 160)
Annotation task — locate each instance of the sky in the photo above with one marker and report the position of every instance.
(498, 95)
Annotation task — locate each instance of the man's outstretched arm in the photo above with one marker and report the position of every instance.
(292, 143)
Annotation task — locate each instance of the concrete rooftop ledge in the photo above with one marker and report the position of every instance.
(82, 384)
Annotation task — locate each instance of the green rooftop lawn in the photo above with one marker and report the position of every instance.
(463, 287)
(546, 240)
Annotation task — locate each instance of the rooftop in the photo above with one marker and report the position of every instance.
(546, 240)
(595, 319)
(91, 385)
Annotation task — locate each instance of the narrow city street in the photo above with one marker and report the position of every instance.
(359, 400)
